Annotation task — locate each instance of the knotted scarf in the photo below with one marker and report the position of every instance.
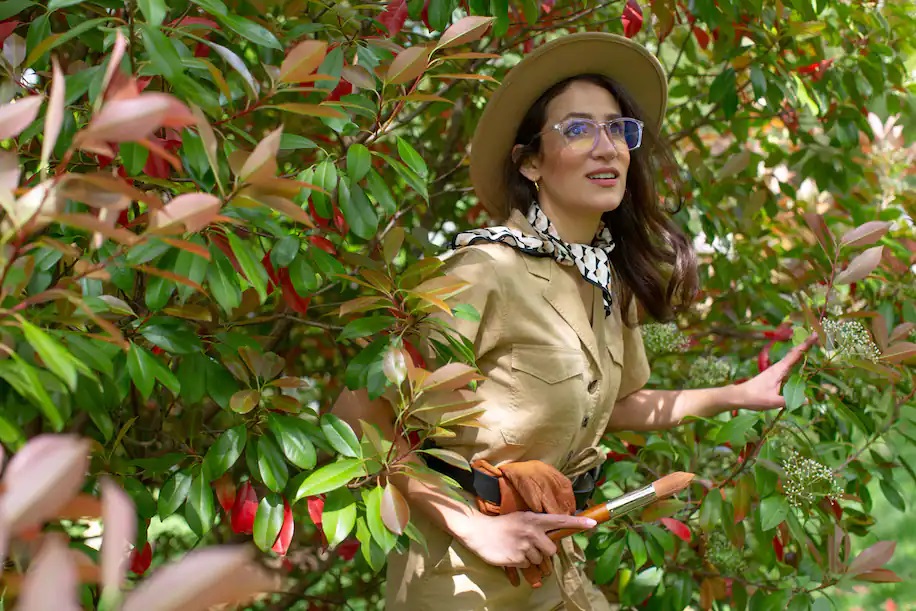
(592, 260)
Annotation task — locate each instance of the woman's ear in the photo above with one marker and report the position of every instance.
(529, 167)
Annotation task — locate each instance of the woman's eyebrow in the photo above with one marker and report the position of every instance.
(585, 115)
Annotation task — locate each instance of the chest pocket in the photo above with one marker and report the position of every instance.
(548, 395)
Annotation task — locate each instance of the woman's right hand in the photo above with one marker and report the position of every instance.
(516, 539)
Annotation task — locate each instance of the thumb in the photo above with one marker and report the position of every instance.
(551, 521)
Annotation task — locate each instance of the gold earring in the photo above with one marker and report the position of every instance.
(537, 186)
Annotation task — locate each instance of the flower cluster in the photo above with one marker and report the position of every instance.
(849, 339)
(660, 338)
(727, 558)
(708, 371)
(807, 480)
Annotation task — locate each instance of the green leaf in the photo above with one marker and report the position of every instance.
(711, 511)
(223, 281)
(325, 176)
(271, 465)
(140, 494)
(173, 493)
(268, 521)
(293, 440)
(758, 81)
(329, 477)
(609, 562)
(53, 5)
(214, 7)
(250, 30)
(340, 435)
(13, 7)
(172, 335)
(199, 510)
(339, 515)
(162, 53)
(531, 10)
(55, 40)
(133, 156)
(794, 392)
(153, 11)
(357, 210)
(412, 158)
(95, 353)
(224, 452)
(361, 327)
(736, 430)
(303, 276)
(284, 251)
(380, 534)
(251, 266)
(637, 548)
(140, 368)
(773, 511)
(359, 162)
(892, 494)
(295, 142)
(466, 312)
(55, 355)
(378, 187)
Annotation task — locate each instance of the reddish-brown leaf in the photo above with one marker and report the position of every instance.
(408, 65)
(901, 331)
(244, 401)
(192, 211)
(872, 558)
(311, 110)
(302, 60)
(879, 576)
(867, 233)
(262, 160)
(358, 76)
(467, 29)
(41, 479)
(679, 529)
(169, 275)
(51, 582)
(900, 352)
(127, 120)
(54, 117)
(861, 266)
(821, 231)
(18, 115)
(10, 170)
(222, 575)
(120, 521)
(450, 377)
(394, 509)
(114, 61)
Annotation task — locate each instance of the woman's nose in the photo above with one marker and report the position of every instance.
(605, 147)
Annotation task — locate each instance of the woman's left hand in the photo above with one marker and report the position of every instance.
(764, 391)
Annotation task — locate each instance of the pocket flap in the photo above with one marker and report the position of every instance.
(547, 363)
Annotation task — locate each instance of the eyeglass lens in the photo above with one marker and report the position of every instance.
(582, 134)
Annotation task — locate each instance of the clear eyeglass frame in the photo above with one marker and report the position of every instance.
(626, 122)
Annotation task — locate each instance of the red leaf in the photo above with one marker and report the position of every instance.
(394, 17)
(324, 244)
(348, 549)
(316, 508)
(140, 561)
(225, 492)
(680, 530)
(7, 28)
(343, 88)
(701, 36)
(281, 545)
(782, 333)
(779, 548)
(816, 70)
(872, 558)
(631, 19)
(244, 510)
(415, 356)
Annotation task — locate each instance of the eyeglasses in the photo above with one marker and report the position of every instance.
(582, 135)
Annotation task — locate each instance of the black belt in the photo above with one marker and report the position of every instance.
(486, 486)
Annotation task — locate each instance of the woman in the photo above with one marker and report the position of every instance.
(567, 151)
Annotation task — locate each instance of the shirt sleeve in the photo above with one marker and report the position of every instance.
(636, 368)
(471, 264)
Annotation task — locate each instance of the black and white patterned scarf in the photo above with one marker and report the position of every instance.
(592, 260)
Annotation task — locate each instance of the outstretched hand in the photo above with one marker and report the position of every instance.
(764, 391)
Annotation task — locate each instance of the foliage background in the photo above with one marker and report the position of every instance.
(179, 275)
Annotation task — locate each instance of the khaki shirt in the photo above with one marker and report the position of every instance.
(553, 379)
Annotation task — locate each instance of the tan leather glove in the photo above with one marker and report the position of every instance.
(529, 485)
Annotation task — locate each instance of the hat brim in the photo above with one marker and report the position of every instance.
(610, 55)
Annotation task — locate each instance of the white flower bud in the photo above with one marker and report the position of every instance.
(394, 365)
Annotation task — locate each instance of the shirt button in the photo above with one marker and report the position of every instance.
(585, 422)
(593, 386)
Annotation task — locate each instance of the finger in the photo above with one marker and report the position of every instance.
(534, 555)
(550, 521)
(533, 576)
(545, 545)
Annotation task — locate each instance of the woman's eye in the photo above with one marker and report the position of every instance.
(577, 129)
(616, 129)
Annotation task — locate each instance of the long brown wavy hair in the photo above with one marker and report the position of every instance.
(653, 260)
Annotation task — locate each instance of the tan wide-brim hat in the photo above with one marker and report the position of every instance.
(616, 57)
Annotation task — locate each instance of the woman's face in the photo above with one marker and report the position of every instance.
(570, 181)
